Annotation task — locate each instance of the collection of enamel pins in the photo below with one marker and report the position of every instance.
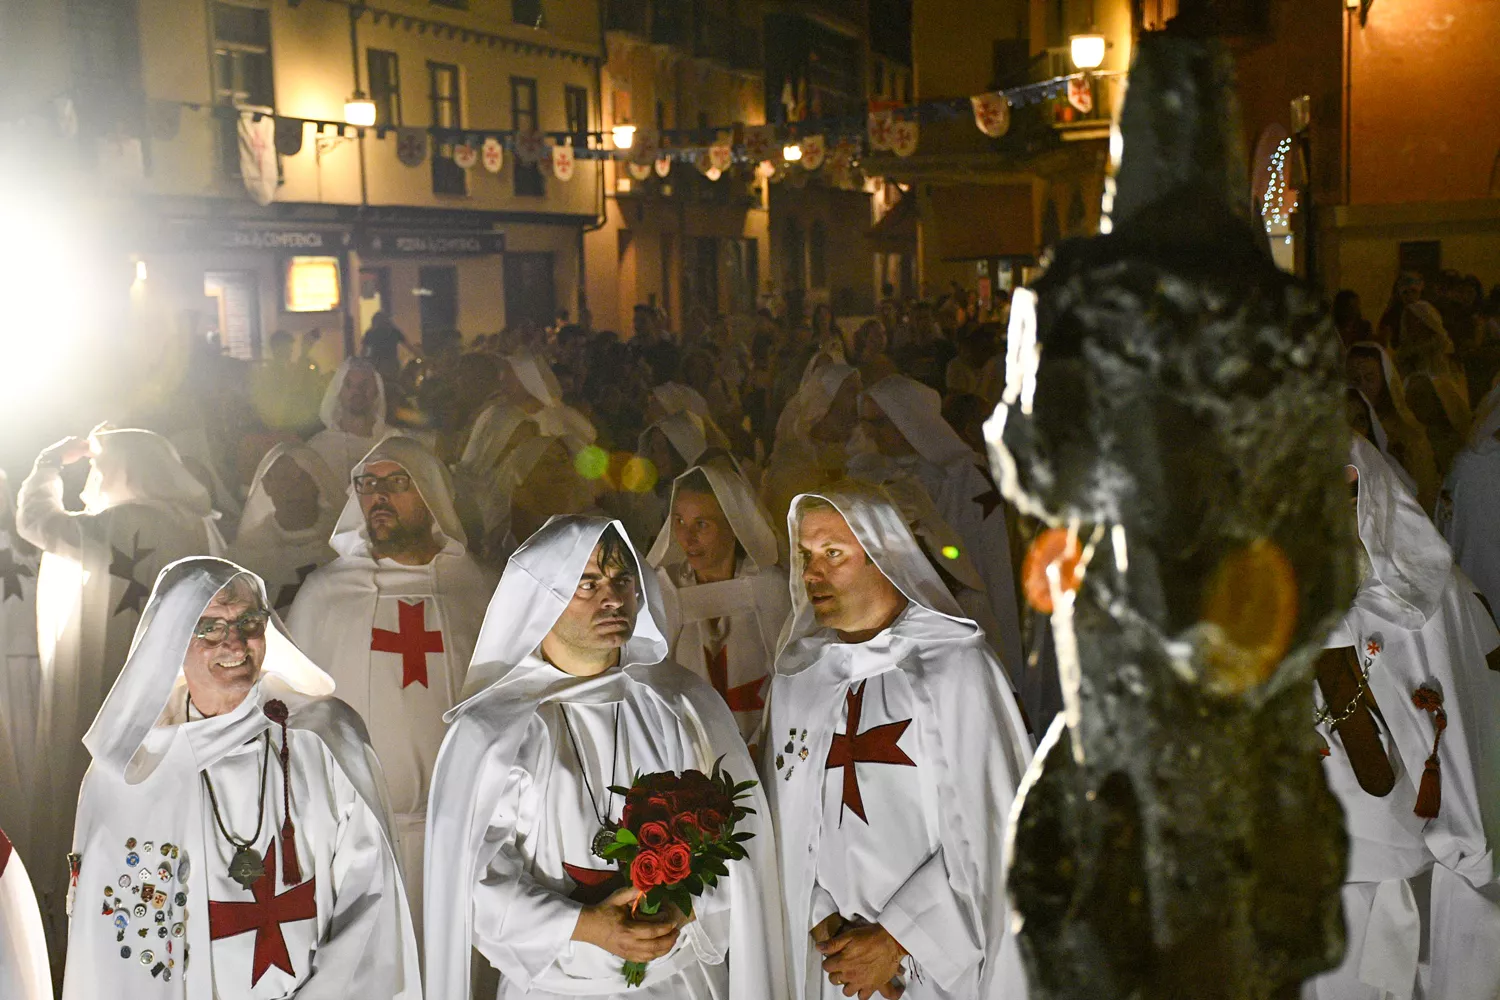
(147, 905)
(789, 749)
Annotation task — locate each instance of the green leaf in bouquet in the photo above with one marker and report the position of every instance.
(624, 836)
(740, 838)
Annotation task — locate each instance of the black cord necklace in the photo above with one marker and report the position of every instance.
(606, 834)
(247, 866)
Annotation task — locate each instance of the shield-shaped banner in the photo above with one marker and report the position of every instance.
(880, 129)
(411, 146)
(562, 162)
(640, 171)
(288, 135)
(1081, 94)
(991, 114)
(814, 149)
(531, 146)
(760, 143)
(903, 136)
(492, 154)
(646, 146)
(466, 153)
(663, 166)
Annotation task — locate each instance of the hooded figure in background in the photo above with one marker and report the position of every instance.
(21, 756)
(666, 449)
(521, 791)
(1468, 511)
(537, 478)
(142, 509)
(812, 435)
(353, 415)
(896, 750)
(904, 419)
(724, 594)
(293, 504)
(233, 841)
(528, 391)
(24, 974)
(1411, 717)
(393, 619)
(1373, 372)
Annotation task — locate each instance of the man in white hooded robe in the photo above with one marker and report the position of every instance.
(232, 838)
(24, 974)
(290, 510)
(895, 750)
(393, 620)
(724, 593)
(142, 510)
(1468, 509)
(570, 693)
(1421, 902)
(353, 415)
(904, 420)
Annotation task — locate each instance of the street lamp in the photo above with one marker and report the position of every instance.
(1088, 50)
(623, 135)
(359, 110)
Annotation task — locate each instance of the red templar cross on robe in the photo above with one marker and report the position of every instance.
(412, 641)
(745, 697)
(874, 746)
(265, 917)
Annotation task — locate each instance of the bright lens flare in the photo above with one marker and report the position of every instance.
(47, 296)
(950, 552)
(639, 475)
(592, 462)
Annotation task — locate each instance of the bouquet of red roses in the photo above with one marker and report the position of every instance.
(675, 838)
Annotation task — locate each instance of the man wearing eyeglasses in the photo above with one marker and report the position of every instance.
(232, 836)
(394, 619)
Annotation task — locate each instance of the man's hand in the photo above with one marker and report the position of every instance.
(864, 961)
(611, 926)
(69, 450)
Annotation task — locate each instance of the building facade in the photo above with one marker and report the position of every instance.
(165, 94)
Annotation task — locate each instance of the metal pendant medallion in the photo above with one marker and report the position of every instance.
(603, 839)
(247, 867)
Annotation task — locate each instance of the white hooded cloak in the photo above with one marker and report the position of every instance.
(154, 912)
(1468, 511)
(397, 639)
(282, 558)
(338, 448)
(799, 462)
(927, 863)
(959, 485)
(726, 632)
(24, 974)
(142, 511)
(508, 777)
(1416, 622)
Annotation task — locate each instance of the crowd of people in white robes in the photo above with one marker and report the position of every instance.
(364, 747)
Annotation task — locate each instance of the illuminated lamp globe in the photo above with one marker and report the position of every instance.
(792, 153)
(1088, 50)
(623, 135)
(359, 110)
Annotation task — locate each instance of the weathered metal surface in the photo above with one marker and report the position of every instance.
(1178, 406)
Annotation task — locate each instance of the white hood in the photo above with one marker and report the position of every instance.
(429, 477)
(917, 411)
(331, 412)
(747, 518)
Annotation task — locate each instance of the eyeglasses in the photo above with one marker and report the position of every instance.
(250, 625)
(396, 482)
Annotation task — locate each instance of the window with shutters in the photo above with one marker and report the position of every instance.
(447, 176)
(529, 181)
(385, 86)
(242, 72)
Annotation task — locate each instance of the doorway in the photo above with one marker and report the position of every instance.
(438, 289)
(530, 292)
(374, 295)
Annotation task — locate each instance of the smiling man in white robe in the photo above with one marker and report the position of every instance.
(142, 509)
(724, 594)
(1411, 717)
(393, 619)
(895, 751)
(570, 693)
(232, 841)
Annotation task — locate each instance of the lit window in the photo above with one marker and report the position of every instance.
(312, 284)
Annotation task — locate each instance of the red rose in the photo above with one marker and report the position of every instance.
(711, 821)
(676, 862)
(685, 827)
(654, 835)
(646, 871)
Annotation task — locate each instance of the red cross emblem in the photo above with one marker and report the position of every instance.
(265, 917)
(412, 641)
(745, 697)
(874, 746)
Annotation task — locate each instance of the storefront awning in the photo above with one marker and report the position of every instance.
(983, 221)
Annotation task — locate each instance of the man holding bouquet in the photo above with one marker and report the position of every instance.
(570, 696)
(894, 751)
